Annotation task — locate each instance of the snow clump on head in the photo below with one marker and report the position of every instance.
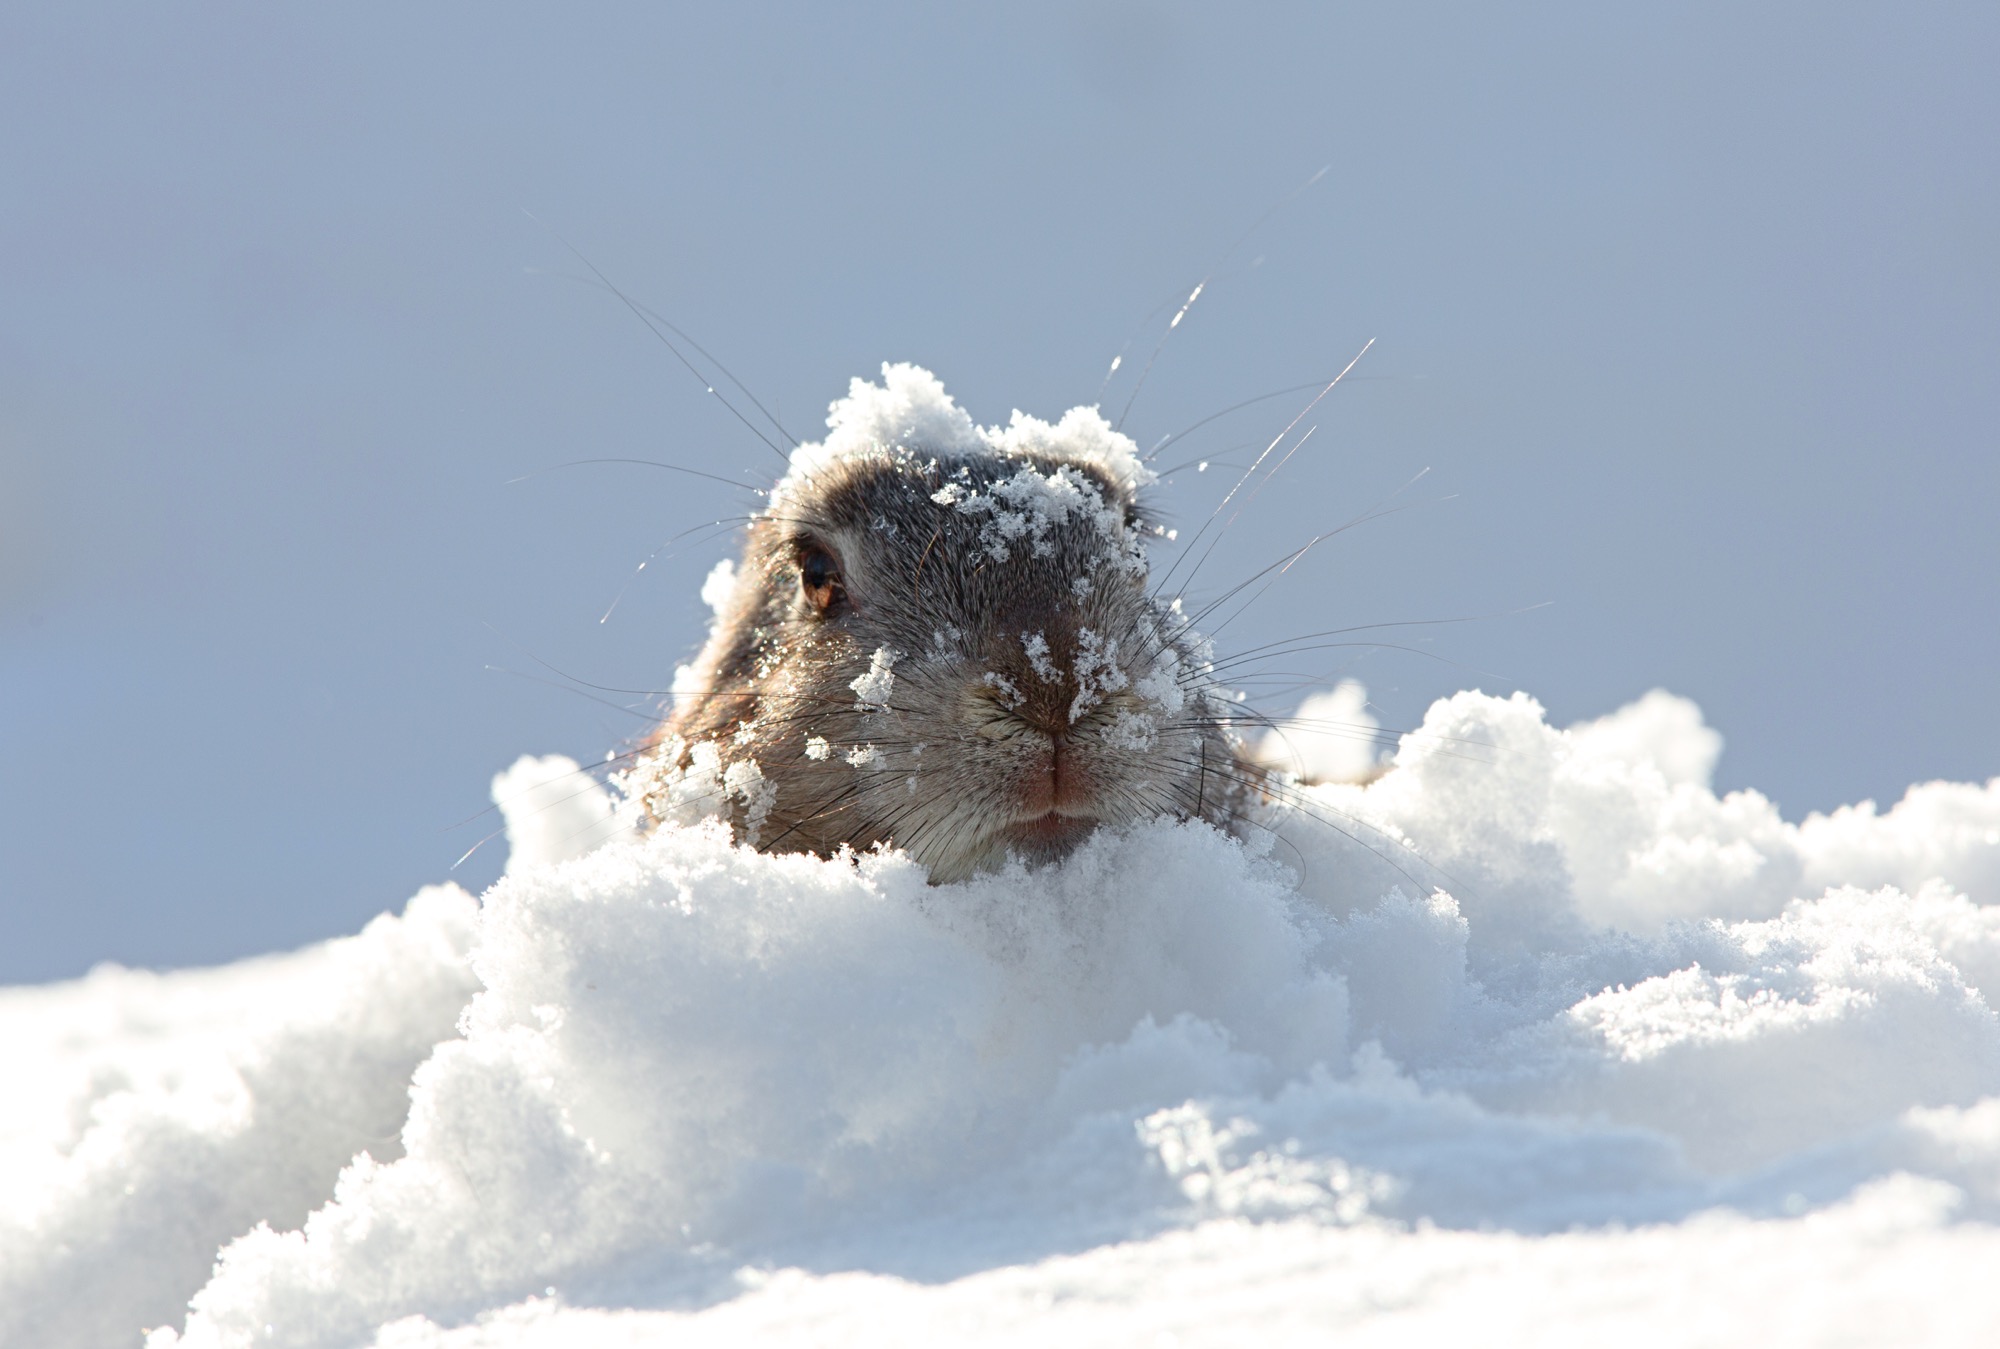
(910, 413)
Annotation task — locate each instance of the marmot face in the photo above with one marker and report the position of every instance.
(956, 654)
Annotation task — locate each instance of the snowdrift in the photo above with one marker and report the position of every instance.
(1533, 1039)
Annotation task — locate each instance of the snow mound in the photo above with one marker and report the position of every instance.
(553, 811)
(1333, 737)
(149, 1118)
(1532, 1038)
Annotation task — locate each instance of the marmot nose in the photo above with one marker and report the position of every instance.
(1047, 710)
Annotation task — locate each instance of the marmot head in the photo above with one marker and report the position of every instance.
(942, 637)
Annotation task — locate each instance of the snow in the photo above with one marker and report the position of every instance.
(150, 1118)
(553, 810)
(1332, 737)
(1533, 1039)
(873, 690)
(719, 585)
(911, 409)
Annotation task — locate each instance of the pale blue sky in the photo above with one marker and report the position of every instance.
(1691, 314)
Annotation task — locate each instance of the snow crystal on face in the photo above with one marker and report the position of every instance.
(1029, 507)
(872, 689)
(1097, 672)
(744, 780)
(1004, 686)
(817, 747)
(1161, 685)
(1131, 730)
(1036, 645)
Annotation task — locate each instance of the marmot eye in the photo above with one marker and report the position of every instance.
(819, 577)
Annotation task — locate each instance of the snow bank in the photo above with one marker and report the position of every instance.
(149, 1118)
(1533, 1038)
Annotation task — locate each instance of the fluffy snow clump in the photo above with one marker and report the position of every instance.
(910, 408)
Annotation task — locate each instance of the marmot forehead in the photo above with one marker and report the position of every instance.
(858, 491)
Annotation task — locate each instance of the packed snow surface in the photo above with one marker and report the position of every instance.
(1531, 1040)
